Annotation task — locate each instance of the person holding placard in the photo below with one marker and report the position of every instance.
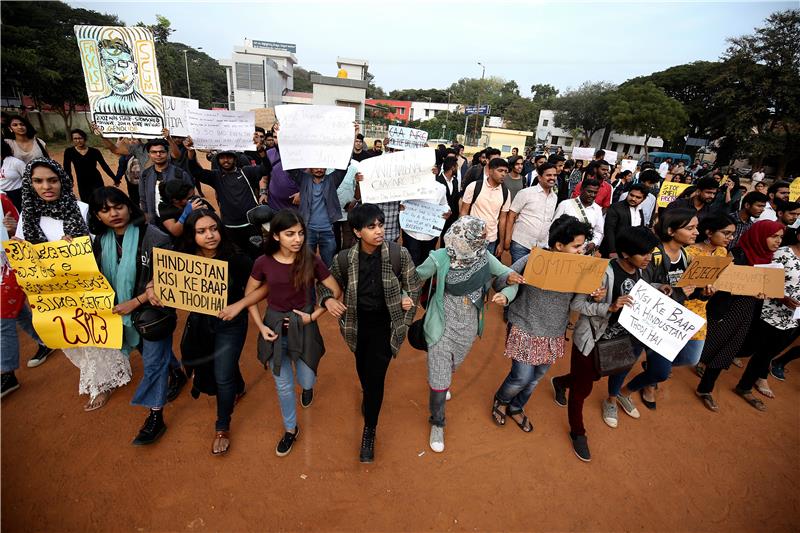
(289, 342)
(221, 337)
(380, 288)
(535, 340)
(123, 250)
(600, 320)
(463, 269)
(731, 316)
(162, 170)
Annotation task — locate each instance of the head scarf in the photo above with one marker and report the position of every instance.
(65, 208)
(754, 241)
(465, 241)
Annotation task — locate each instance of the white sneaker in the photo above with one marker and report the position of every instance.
(610, 413)
(628, 406)
(437, 439)
(448, 396)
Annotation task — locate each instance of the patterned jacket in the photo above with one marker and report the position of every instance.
(393, 291)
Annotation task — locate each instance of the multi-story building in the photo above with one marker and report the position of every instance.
(258, 74)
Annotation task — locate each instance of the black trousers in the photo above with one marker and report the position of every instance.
(373, 355)
(242, 238)
(772, 342)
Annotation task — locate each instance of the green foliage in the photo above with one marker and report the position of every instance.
(646, 110)
(585, 109)
(373, 91)
(420, 95)
(302, 79)
(543, 92)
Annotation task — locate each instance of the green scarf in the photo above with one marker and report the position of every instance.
(122, 276)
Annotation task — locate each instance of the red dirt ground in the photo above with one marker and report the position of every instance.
(680, 468)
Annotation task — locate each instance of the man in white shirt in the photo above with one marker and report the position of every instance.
(531, 214)
(648, 178)
(663, 168)
(777, 191)
(490, 200)
(584, 209)
(622, 216)
(758, 176)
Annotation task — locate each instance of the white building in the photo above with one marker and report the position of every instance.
(348, 89)
(258, 74)
(427, 110)
(633, 145)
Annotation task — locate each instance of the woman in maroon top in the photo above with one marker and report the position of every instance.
(290, 341)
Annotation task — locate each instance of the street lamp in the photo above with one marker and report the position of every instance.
(480, 91)
(186, 63)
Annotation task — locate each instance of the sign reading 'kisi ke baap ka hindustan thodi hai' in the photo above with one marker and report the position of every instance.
(190, 282)
(119, 66)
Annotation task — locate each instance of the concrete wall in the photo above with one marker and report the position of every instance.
(54, 124)
(504, 140)
(427, 110)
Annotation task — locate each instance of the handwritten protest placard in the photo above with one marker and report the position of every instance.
(175, 114)
(121, 75)
(402, 175)
(423, 217)
(610, 157)
(628, 164)
(190, 282)
(221, 130)
(403, 138)
(584, 154)
(703, 270)
(794, 190)
(658, 321)
(556, 271)
(751, 281)
(315, 136)
(669, 192)
(70, 299)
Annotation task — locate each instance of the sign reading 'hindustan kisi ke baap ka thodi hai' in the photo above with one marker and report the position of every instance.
(71, 301)
(190, 282)
(119, 67)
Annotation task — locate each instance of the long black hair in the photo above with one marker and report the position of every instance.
(303, 266)
(30, 131)
(105, 197)
(188, 243)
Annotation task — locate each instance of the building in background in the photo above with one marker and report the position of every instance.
(259, 73)
(427, 110)
(399, 110)
(347, 89)
(547, 133)
(504, 140)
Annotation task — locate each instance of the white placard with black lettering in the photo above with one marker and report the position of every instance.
(175, 114)
(584, 154)
(402, 138)
(610, 157)
(402, 175)
(221, 130)
(658, 321)
(423, 217)
(315, 136)
(628, 164)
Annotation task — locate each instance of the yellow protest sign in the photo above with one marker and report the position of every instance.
(190, 282)
(556, 271)
(70, 299)
(794, 190)
(669, 191)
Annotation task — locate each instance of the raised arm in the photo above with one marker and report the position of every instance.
(107, 169)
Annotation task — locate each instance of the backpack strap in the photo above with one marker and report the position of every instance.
(475, 193)
(394, 257)
(344, 265)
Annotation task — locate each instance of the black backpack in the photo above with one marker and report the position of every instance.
(477, 191)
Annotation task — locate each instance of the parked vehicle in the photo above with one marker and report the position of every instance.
(658, 157)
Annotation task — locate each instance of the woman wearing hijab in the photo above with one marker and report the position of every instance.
(455, 312)
(50, 212)
(730, 316)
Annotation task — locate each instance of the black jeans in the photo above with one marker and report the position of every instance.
(418, 250)
(772, 341)
(242, 238)
(373, 355)
(229, 340)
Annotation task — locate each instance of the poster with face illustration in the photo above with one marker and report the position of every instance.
(119, 66)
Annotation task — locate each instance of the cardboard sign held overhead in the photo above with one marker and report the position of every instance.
(751, 281)
(794, 190)
(556, 271)
(584, 154)
(190, 282)
(703, 270)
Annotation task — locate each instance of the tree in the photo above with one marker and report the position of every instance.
(302, 79)
(420, 95)
(453, 124)
(373, 91)
(585, 109)
(543, 92)
(645, 110)
(40, 53)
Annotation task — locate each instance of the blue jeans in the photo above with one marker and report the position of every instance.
(156, 359)
(517, 251)
(658, 367)
(518, 386)
(326, 242)
(9, 339)
(492, 246)
(228, 343)
(284, 383)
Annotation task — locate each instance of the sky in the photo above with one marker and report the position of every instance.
(431, 44)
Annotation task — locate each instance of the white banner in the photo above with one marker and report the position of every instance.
(402, 175)
(221, 130)
(628, 164)
(658, 321)
(611, 157)
(315, 136)
(423, 217)
(402, 138)
(175, 114)
(584, 154)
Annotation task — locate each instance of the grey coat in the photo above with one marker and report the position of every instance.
(592, 312)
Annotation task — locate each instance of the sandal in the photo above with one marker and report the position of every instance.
(524, 424)
(765, 391)
(737, 361)
(97, 402)
(499, 416)
(708, 401)
(749, 398)
(218, 436)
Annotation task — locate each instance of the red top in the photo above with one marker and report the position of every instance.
(603, 198)
(283, 296)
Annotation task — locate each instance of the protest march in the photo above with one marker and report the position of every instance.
(234, 252)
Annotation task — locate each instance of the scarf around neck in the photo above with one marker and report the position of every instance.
(122, 276)
(465, 242)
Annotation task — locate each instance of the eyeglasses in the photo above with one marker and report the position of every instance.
(121, 63)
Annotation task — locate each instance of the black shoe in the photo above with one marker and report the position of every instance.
(559, 393)
(287, 441)
(177, 379)
(581, 446)
(40, 356)
(10, 383)
(367, 454)
(650, 405)
(152, 429)
(307, 398)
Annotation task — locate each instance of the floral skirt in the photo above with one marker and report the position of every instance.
(532, 350)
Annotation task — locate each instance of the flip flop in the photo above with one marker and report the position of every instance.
(749, 398)
(97, 402)
(765, 391)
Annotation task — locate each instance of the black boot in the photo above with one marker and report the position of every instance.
(177, 379)
(367, 454)
(152, 429)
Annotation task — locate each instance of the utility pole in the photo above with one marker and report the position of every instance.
(480, 91)
(186, 63)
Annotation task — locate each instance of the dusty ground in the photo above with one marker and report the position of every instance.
(680, 468)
